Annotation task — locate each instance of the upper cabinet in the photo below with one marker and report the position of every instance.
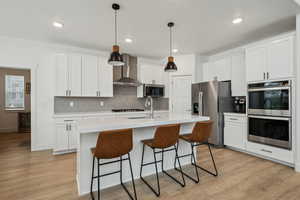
(105, 78)
(83, 75)
(150, 73)
(219, 69)
(238, 74)
(229, 67)
(273, 59)
(68, 75)
(90, 76)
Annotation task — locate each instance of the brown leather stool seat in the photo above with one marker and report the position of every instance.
(165, 137)
(199, 136)
(112, 144)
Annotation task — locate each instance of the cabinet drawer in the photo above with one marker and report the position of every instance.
(235, 119)
(272, 152)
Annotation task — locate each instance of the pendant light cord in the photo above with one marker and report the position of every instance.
(116, 28)
(170, 41)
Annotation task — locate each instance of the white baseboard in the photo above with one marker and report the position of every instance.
(297, 167)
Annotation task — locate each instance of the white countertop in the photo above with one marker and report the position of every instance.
(101, 113)
(122, 122)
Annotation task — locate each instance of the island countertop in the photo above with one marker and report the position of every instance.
(139, 121)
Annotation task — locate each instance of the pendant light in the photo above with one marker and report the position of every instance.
(115, 58)
(171, 66)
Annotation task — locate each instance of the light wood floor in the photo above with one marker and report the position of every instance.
(26, 175)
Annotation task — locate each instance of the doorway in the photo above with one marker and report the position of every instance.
(15, 104)
(181, 93)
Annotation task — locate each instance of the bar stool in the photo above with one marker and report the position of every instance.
(164, 137)
(112, 144)
(199, 136)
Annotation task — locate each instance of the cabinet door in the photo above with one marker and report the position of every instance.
(234, 135)
(280, 58)
(61, 71)
(256, 64)
(222, 69)
(238, 75)
(62, 137)
(73, 136)
(209, 71)
(105, 78)
(89, 75)
(74, 68)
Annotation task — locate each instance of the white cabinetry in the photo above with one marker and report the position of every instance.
(223, 69)
(273, 59)
(68, 75)
(90, 76)
(280, 58)
(66, 137)
(235, 130)
(271, 152)
(105, 78)
(83, 75)
(220, 69)
(238, 74)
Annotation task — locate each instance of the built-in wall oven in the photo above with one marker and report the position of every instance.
(269, 113)
(274, 131)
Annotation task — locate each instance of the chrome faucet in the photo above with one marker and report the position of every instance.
(149, 103)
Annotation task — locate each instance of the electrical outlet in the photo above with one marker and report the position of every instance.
(101, 103)
(71, 104)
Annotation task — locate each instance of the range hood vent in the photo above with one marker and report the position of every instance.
(126, 75)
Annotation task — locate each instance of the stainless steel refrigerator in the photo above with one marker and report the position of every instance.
(212, 99)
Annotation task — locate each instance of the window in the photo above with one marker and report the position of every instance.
(14, 92)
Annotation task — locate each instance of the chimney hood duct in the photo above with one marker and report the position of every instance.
(126, 75)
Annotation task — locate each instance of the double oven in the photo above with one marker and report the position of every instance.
(270, 113)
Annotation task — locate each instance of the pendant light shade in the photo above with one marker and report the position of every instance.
(171, 66)
(116, 58)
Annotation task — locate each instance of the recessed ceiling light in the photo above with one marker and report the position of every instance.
(58, 24)
(174, 50)
(237, 20)
(128, 40)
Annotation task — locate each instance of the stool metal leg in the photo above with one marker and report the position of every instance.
(212, 158)
(157, 193)
(98, 165)
(192, 163)
(93, 168)
(162, 168)
(121, 178)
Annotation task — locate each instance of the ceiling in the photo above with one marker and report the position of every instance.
(201, 26)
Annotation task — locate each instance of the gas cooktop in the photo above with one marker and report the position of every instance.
(128, 110)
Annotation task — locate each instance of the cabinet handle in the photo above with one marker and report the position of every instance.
(70, 92)
(233, 118)
(66, 127)
(268, 151)
(66, 92)
(268, 75)
(99, 93)
(70, 127)
(264, 75)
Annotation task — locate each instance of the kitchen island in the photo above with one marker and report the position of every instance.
(143, 128)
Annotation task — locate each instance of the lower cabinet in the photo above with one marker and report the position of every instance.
(235, 130)
(235, 136)
(279, 154)
(66, 137)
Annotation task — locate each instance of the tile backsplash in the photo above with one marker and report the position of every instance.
(124, 97)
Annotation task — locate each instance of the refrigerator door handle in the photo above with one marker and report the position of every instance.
(200, 107)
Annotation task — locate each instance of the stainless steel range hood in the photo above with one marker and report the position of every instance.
(126, 75)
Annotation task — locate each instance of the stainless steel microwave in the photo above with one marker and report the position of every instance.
(153, 90)
(270, 98)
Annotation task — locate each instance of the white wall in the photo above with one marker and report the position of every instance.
(39, 57)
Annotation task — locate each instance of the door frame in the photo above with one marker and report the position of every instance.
(171, 88)
(33, 72)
